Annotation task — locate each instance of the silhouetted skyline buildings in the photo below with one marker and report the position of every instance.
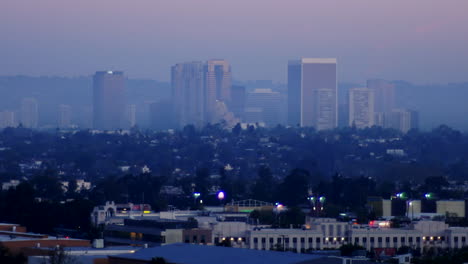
(202, 92)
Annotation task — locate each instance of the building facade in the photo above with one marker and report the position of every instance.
(188, 94)
(29, 113)
(109, 100)
(218, 83)
(64, 119)
(312, 93)
(361, 107)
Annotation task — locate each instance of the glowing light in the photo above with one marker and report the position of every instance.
(146, 212)
(196, 195)
(109, 72)
(221, 195)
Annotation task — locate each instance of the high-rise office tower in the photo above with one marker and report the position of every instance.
(64, 116)
(188, 93)
(403, 120)
(361, 107)
(7, 119)
(384, 94)
(130, 116)
(29, 113)
(218, 82)
(312, 93)
(237, 104)
(109, 99)
(266, 100)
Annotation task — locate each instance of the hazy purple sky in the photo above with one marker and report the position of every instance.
(421, 41)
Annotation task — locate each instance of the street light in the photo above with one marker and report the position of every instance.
(317, 203)
(195, 197)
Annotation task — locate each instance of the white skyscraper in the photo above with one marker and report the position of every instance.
(361, 107)
(312, 93)
(29, 113)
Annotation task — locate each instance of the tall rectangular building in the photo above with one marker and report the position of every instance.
(237, 104)
(64, 116)
(130, 116)
(403, 120)
(29, 113)
(361, 107)
(7, 119)
(312, 93)
(188, 93)
(218, 82)
(109, 100)
(268, 101)
(384, 93)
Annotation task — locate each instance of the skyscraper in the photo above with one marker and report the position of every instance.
(188, 93)
(237, 104)
(361, 107)
(64, 116)
(109, 101)
(384, 94)
(29, 113)
(130, 116)
(218, 82)
(403, 120)
(312, 93)
(7, 119)
(268, 101)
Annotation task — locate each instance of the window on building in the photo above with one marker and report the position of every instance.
(379, 239)
(263, 240)
(356, 240)
(271, 240)
(302, 240)
(395, 239)
(418, 239)
(364, 240)
(310, 240)
(187, 239)
(463, 239)
(455, 239)
(255, 240)
(317, 240)
(203, 239)
(402, 239)
(372, 240)
(410, 239)
(286, 239)
(387, 239)
(195, 239)
(278, 240)
(294, 239)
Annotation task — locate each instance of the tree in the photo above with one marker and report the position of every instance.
(6, 257)
(294, 189)
(263, 185)
(59, 256)
(158, 260)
